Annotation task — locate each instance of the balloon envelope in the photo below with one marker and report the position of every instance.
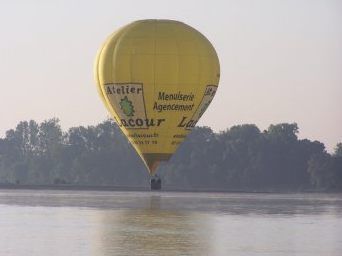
(156, 78)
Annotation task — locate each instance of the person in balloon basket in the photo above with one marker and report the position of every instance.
(155, 182)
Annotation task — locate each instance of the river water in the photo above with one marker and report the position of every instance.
(75, 223)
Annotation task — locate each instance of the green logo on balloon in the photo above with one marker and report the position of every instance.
(127, 106)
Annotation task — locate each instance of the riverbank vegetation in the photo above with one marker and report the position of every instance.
(239, 158)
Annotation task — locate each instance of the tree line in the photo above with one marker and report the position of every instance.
(239, 158)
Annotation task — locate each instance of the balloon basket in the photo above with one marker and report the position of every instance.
(155, 183)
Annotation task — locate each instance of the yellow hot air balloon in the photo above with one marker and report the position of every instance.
(156, 78)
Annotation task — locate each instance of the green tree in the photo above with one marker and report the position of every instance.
(320, 168)
(338, 150)
(239, 158)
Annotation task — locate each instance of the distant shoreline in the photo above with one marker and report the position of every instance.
(72, 187)
(164, 189)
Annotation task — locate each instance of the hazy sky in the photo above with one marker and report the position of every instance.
(281, 60)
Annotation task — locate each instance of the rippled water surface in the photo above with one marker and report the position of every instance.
(148, 223)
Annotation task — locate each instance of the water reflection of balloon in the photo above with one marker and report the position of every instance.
(153, 230)
(156, 78)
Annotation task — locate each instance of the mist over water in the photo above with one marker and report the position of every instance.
(162, 223)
